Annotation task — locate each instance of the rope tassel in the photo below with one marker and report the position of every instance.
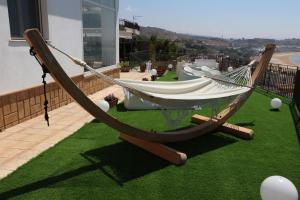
(45, 95)
(45, 71)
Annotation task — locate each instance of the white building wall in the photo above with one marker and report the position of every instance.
(18, 70)
(117, 33)
(65, 31)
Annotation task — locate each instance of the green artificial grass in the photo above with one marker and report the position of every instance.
(94, 164)
(171, 76)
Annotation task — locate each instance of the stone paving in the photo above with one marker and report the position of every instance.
(25, 141)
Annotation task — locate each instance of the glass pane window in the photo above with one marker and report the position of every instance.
(92, 50)
(23, 14)
(99, 33)
(107, 3)
(108, 36)
(92, 33)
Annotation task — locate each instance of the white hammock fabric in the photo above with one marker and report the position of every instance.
(210, 63)
(184, 94)
(188, 71)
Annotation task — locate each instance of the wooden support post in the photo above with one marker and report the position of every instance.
(231, 129)
(157, 149)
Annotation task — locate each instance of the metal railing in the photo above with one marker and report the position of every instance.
(279, 79)
(296, 97)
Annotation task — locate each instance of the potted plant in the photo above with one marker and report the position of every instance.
(153, 77)
(112, 100)
(142, 67)
(161, 70)
(125, 66)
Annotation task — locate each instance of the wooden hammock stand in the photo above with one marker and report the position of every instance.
(148, 140)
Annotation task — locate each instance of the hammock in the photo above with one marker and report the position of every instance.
(190, 94)
(48, 62)
(182, 94)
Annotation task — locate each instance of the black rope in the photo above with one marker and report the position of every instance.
(45, 71)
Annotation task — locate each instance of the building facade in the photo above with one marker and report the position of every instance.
(127, 31)
(87, 29)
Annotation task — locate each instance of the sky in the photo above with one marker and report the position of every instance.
(278, 19)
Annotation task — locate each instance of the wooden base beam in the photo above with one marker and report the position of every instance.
(231, 129)
(160, 150)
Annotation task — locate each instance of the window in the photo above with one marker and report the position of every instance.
(106, 3)
(109, 3)
(23, 14)
(99, 33)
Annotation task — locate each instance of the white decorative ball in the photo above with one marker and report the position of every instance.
(230, 69)
(278, 188)
(276, 103)
(170, 66)
(104, 105)
(153, 72)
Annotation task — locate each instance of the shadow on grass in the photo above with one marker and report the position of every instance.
(127, 162)
(122, 162)
(274, 110)
(47, 182)
(96, 121)
(296, 117)
(121, 107)
(246, 124)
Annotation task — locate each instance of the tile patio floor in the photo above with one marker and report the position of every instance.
(25, 141)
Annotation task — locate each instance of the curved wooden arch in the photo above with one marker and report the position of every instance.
(44, 55)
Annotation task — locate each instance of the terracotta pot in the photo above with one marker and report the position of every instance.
(161, 70)
(143, 67)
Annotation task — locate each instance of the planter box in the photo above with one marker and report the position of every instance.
(125, 69)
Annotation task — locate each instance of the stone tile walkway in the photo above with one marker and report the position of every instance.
(25, 141)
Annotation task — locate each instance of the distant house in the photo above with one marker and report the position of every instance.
(87, 29)
(127, 30)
